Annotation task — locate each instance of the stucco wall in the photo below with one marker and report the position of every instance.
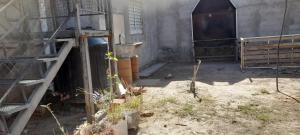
(264, 17)
(148, 53)
(174, 29)
(254, 18)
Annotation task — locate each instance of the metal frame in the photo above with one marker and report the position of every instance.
(268, 42)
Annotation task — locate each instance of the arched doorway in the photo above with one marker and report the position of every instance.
(214, 30)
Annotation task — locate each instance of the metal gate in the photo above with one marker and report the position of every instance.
(214, 30)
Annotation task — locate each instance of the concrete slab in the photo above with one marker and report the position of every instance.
(148, 82)
(151, 70)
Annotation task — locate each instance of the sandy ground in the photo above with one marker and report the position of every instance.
(231, 102)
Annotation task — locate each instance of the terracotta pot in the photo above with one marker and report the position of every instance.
(125, 70)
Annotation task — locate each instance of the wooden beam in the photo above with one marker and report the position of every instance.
(87, 79)
(86, 67)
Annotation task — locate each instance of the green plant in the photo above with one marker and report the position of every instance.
(263, 117)
(186, 110)
(133, 103)
(112, 77)
(115, 114)
(165, 101)
(62, 129)
(104, 100)
(254, 111)
(248, 109)
(110, 56)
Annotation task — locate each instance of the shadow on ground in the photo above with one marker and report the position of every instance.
(210, 73)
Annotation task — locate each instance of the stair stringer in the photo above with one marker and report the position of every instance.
(20, 122)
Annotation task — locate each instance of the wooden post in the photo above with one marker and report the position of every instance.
(237, 51)
(112, 64)
(87, 78)
(242, 54)
(86, 67)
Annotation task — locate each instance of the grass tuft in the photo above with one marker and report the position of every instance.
(265, 92)
(254, 111)
(186, 110)
(165, 101)
(264, 117)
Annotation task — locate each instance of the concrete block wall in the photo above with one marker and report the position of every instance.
(148, 53)
(254, 18)
(264, 17)
(174, 29)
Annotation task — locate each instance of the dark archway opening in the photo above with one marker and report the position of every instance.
(214, 30)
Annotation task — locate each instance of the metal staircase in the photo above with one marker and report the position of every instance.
(29, 61)
(31, 53)
(23, 111)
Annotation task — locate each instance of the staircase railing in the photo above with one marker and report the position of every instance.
(46, 44)
(6, 5)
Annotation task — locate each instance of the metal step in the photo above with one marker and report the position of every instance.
(28, 59)
(6, 81)
(6, 110)
(20, 122)
(26, 110)
(31, 82)
(23, 82)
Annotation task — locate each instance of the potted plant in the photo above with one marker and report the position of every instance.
(117, 119)
(132, 109)
(110, 120)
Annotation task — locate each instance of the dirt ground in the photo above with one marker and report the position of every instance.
(69, 117)
(231, 102)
